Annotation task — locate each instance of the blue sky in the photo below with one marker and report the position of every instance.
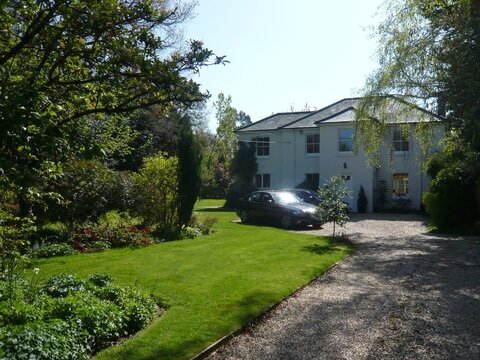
(285, 53)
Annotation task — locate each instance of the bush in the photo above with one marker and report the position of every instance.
(52, 250)
(203, 223)
(63, 284)
(189, 233)
(69, 317)
(102, 320)
(157, 193)
(89, 189)
(362, 201)
(94, 239)
(449, 200)
(56, 339)
(236, 191)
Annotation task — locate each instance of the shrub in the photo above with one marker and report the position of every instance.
(449, 200)
(102, 320)
(52, 250)
(157, 193)
(63, 284)
(70, 317)
(204, 223)
(362, 201)
(93, 239)
(56, 339)
(89, 189)
(189, 233)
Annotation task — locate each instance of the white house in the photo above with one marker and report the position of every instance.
(316, 145)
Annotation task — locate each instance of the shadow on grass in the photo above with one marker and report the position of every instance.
(215, 209)
(319, 249)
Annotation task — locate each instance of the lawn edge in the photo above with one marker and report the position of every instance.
(210, 349)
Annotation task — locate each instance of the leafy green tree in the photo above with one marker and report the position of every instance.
(62, 62)
(189, 162)
(429, 56)
(226, 142)
(155, 131)
(332, 207)
(157, 193)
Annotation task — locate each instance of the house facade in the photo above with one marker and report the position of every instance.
(298, 147)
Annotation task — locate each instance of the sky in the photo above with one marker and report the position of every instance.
(285, 54)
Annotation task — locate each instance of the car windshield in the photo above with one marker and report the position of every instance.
(285, 198)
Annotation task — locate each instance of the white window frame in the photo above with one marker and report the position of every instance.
(345, 141)
(314, 145)
(400, 140)
(400, 188)
(262, 143)
(261, 184)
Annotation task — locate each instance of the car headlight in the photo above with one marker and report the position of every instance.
(297, 212)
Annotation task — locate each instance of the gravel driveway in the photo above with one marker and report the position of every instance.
(404, 294)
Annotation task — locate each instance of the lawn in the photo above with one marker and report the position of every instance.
(212, 285)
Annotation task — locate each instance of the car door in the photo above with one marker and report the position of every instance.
(255, 205)
(272, 211)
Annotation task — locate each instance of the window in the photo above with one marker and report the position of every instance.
(399, 140)
(345, 140)
(262, 181)
(313, 143)
(313, 179)
(262, 145)
(400, 185)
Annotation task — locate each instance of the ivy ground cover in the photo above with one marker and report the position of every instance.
(211, 285)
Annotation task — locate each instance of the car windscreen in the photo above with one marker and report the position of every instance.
(285, 198)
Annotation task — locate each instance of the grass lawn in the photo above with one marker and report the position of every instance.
(212, 285)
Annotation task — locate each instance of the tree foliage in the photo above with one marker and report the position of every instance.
(64, 61)
(429, 56)
(157, 193)
(226, 117)
(189, 162)
(244, 168)
(332, 208)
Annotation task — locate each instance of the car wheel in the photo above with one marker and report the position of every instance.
(286, 221)
(244, 217)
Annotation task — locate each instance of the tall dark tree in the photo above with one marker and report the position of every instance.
(156, 131)
(244, 168)
(189, 162)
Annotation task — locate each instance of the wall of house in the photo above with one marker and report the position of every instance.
(410, 163)
(288, 163)
(333, 163)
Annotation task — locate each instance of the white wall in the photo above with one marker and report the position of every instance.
(333, 162)
(288, 162)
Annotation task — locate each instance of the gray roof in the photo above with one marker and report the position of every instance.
(275, 121)
(393, 110)
(325, 113)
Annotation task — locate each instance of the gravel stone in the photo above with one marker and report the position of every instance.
(404, 294)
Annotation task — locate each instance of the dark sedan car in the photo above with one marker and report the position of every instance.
(308, 196)
(280, 207)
